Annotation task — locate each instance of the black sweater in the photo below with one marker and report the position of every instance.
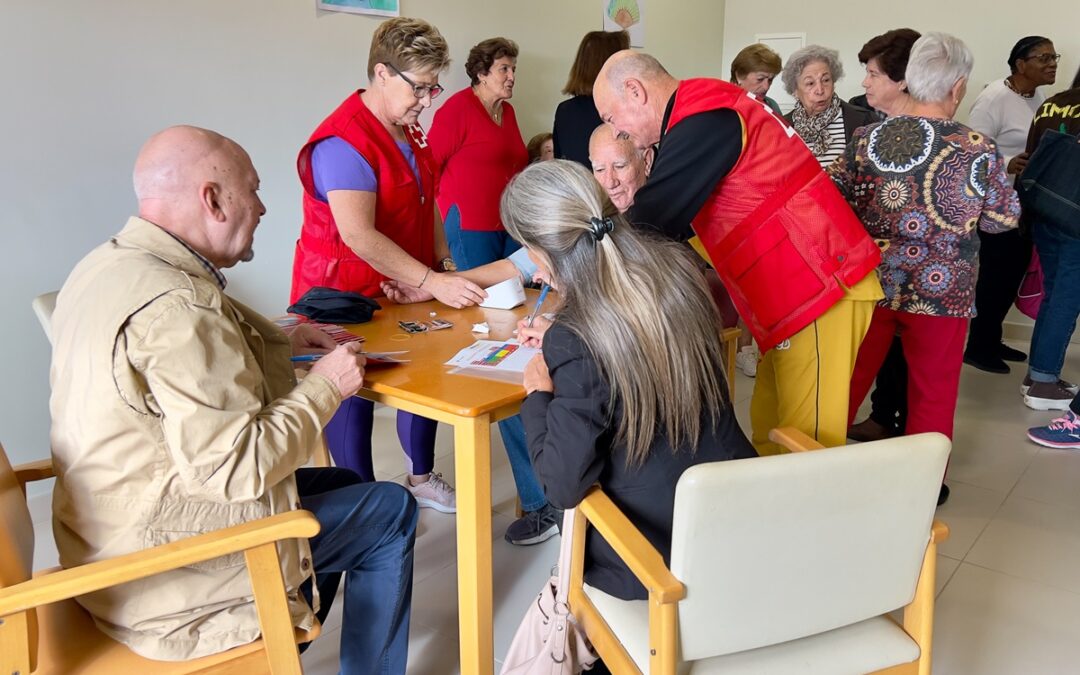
(571, 442)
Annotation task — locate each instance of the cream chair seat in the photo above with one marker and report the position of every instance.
(784, 564)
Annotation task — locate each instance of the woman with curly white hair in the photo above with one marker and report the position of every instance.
(923, 184)
(822, 119)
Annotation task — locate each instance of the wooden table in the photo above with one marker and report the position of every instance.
(470, 405)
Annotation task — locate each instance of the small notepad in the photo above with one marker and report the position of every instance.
(505, 294)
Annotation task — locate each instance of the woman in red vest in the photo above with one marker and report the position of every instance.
(368, 184)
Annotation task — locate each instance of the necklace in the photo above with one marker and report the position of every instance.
(1012, 88)
(494, 114)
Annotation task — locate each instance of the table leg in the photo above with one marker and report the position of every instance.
(472, 461)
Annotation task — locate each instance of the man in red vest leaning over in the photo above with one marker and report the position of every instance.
(796, 261)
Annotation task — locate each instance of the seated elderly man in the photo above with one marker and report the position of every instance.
(176, 411)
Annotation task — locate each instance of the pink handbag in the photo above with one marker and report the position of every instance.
(1030, 296)
(549, 641)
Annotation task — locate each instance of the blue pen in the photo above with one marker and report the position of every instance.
(539, 302)
(303, 358)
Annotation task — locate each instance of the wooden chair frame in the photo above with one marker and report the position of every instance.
(665, 591)
(276, 652)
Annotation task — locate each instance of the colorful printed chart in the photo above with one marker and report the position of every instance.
(495, 359)
(495, 356)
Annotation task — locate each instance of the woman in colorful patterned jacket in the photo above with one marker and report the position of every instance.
(923, 184)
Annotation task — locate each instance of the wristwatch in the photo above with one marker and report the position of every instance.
(447, 265)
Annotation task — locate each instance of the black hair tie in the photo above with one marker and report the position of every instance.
(601, 227)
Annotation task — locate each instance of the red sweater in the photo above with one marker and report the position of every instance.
(475, 159)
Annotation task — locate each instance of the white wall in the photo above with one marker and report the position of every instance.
(989, 29)
(85, 83)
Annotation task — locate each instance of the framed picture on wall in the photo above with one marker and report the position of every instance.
(628, 15)
(376, 7)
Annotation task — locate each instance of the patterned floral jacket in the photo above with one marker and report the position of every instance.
(921, 186)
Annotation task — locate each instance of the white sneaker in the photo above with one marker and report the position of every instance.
(435, 493)
(746, 360)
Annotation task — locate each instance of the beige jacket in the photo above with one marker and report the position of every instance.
(175, 411)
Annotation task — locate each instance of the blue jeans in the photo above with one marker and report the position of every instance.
(472, 249)
(1059, 254)
(368, 531)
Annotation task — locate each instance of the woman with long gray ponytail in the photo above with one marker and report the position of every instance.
(629, 391)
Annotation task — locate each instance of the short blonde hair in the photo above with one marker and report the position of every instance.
(408, 45)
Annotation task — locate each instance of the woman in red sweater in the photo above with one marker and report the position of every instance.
(477, 148)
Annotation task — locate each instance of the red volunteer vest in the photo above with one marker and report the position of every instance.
(403, 209)
(782, 238)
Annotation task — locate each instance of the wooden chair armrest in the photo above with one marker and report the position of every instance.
(794, 440)
(939, 532)
(41, 469)
(729, 334)
(632, 547)
(95, 576)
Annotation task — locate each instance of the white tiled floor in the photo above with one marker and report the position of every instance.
(1008, 578)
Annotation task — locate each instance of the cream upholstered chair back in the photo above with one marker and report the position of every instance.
(44, 305)
(779, 548)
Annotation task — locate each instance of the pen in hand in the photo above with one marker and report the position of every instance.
(539, 302)
(304, 358)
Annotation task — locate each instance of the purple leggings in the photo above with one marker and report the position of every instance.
(348, 435)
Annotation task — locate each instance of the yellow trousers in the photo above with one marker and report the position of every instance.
(804, 381)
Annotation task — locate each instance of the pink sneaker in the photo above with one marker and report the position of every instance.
(435, 493)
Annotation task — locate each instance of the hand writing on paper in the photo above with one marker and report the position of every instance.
(533, 336)
(537, 377)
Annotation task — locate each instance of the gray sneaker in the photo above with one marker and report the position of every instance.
(1048, 396)
(535, 526)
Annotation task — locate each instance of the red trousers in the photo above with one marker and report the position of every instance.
(934, 350)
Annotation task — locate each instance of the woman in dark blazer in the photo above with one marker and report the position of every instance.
(620, 397)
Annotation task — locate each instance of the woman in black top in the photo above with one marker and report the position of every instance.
(576, 118)
(629, 391)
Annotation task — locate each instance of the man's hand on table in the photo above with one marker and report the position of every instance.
(404, 294)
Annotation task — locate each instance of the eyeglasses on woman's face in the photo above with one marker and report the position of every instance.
(419, 90)
(1045, 59)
